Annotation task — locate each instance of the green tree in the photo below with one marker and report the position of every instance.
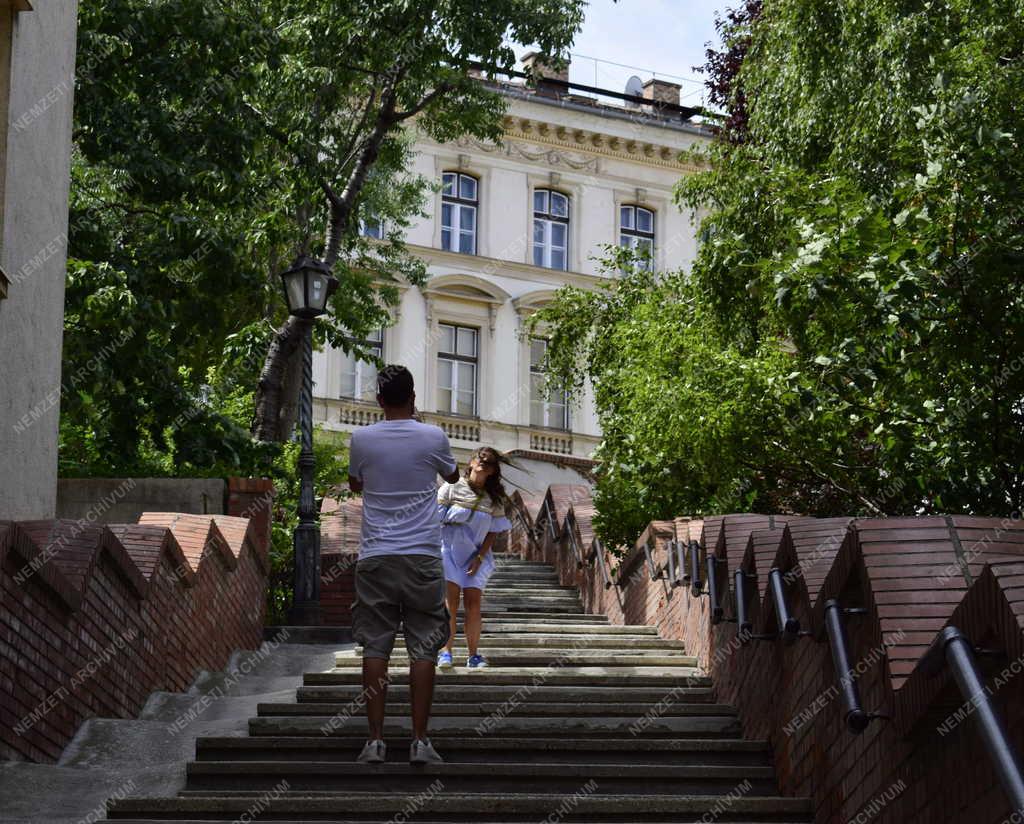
(853, 337)
(214, 141)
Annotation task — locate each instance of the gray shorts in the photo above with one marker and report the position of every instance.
(406, 590)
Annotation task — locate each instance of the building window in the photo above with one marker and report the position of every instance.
(457, 360)
(371, 226)
(636, 231)
(458, 213)
(550, 229)
(359, 377)
(547, 408)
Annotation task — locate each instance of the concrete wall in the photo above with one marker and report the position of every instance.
(123, 500)
(33, 247)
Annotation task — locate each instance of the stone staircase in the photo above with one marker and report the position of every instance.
(575, 720)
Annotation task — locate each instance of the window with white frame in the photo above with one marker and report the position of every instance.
(371, 226)
(636, 231)
(547, 408)
(550, 229)
(459, 203)
(359, 377)
(458, 356)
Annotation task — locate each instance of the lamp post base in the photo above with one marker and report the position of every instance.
(306, 611)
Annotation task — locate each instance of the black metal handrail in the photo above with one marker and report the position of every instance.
(696, 585)
(529, 530)
(551, 520)
(673, 567)
(652, 567)
(789, 625)
(856, 718)
(599, 557)
(575, 546)
(717, 611)
(952, 647)
(743, 625)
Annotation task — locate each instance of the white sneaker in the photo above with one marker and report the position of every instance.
(422, 752)
(373, 753)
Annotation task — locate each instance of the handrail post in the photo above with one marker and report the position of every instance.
(958, 652)
(696, 585)
(856, 719)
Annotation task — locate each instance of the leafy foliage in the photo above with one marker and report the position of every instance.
(214, 140)
(851, 336)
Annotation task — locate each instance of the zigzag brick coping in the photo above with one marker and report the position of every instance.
(94, 618)
(913, 576)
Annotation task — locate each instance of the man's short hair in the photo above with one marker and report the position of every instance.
(394, 385)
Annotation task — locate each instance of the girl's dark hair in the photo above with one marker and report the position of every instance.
(493, 486)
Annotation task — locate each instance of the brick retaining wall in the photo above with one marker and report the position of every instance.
(912, 575)
(94, 618)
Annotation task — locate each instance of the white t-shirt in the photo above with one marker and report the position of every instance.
(398, 463)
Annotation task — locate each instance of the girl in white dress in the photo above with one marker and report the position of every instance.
(472, 512)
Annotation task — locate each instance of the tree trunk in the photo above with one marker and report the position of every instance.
(277, 394)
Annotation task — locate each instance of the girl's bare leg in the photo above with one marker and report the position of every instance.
(452, 597)
(472, 598)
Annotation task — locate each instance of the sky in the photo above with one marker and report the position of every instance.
(663, 37)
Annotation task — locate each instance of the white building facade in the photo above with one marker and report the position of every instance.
(512, 223)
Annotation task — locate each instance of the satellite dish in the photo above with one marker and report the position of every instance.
(635, 88)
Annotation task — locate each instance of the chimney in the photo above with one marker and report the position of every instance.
(542, 69)
(661, 91)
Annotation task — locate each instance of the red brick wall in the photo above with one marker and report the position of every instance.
(787, 695)
(94, 618)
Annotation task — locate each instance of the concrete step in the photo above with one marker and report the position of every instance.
(540, 617)
(582, 657)
(580, 806)
(533, 640)
(525, 610)
(615, 709)
(496, 747)
(534, 605)
(540, 596)
(667, 677)
(590, 640)
(591, 628)
(442, 727)
(447, 692)
(489, 777)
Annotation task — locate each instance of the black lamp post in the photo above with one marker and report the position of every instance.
(307, 286)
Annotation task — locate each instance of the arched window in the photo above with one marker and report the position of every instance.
(636, 230)
(459, 202)
(550, 229)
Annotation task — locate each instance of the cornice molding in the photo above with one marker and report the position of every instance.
(552, 157)
(483, 266)
(577, 148)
